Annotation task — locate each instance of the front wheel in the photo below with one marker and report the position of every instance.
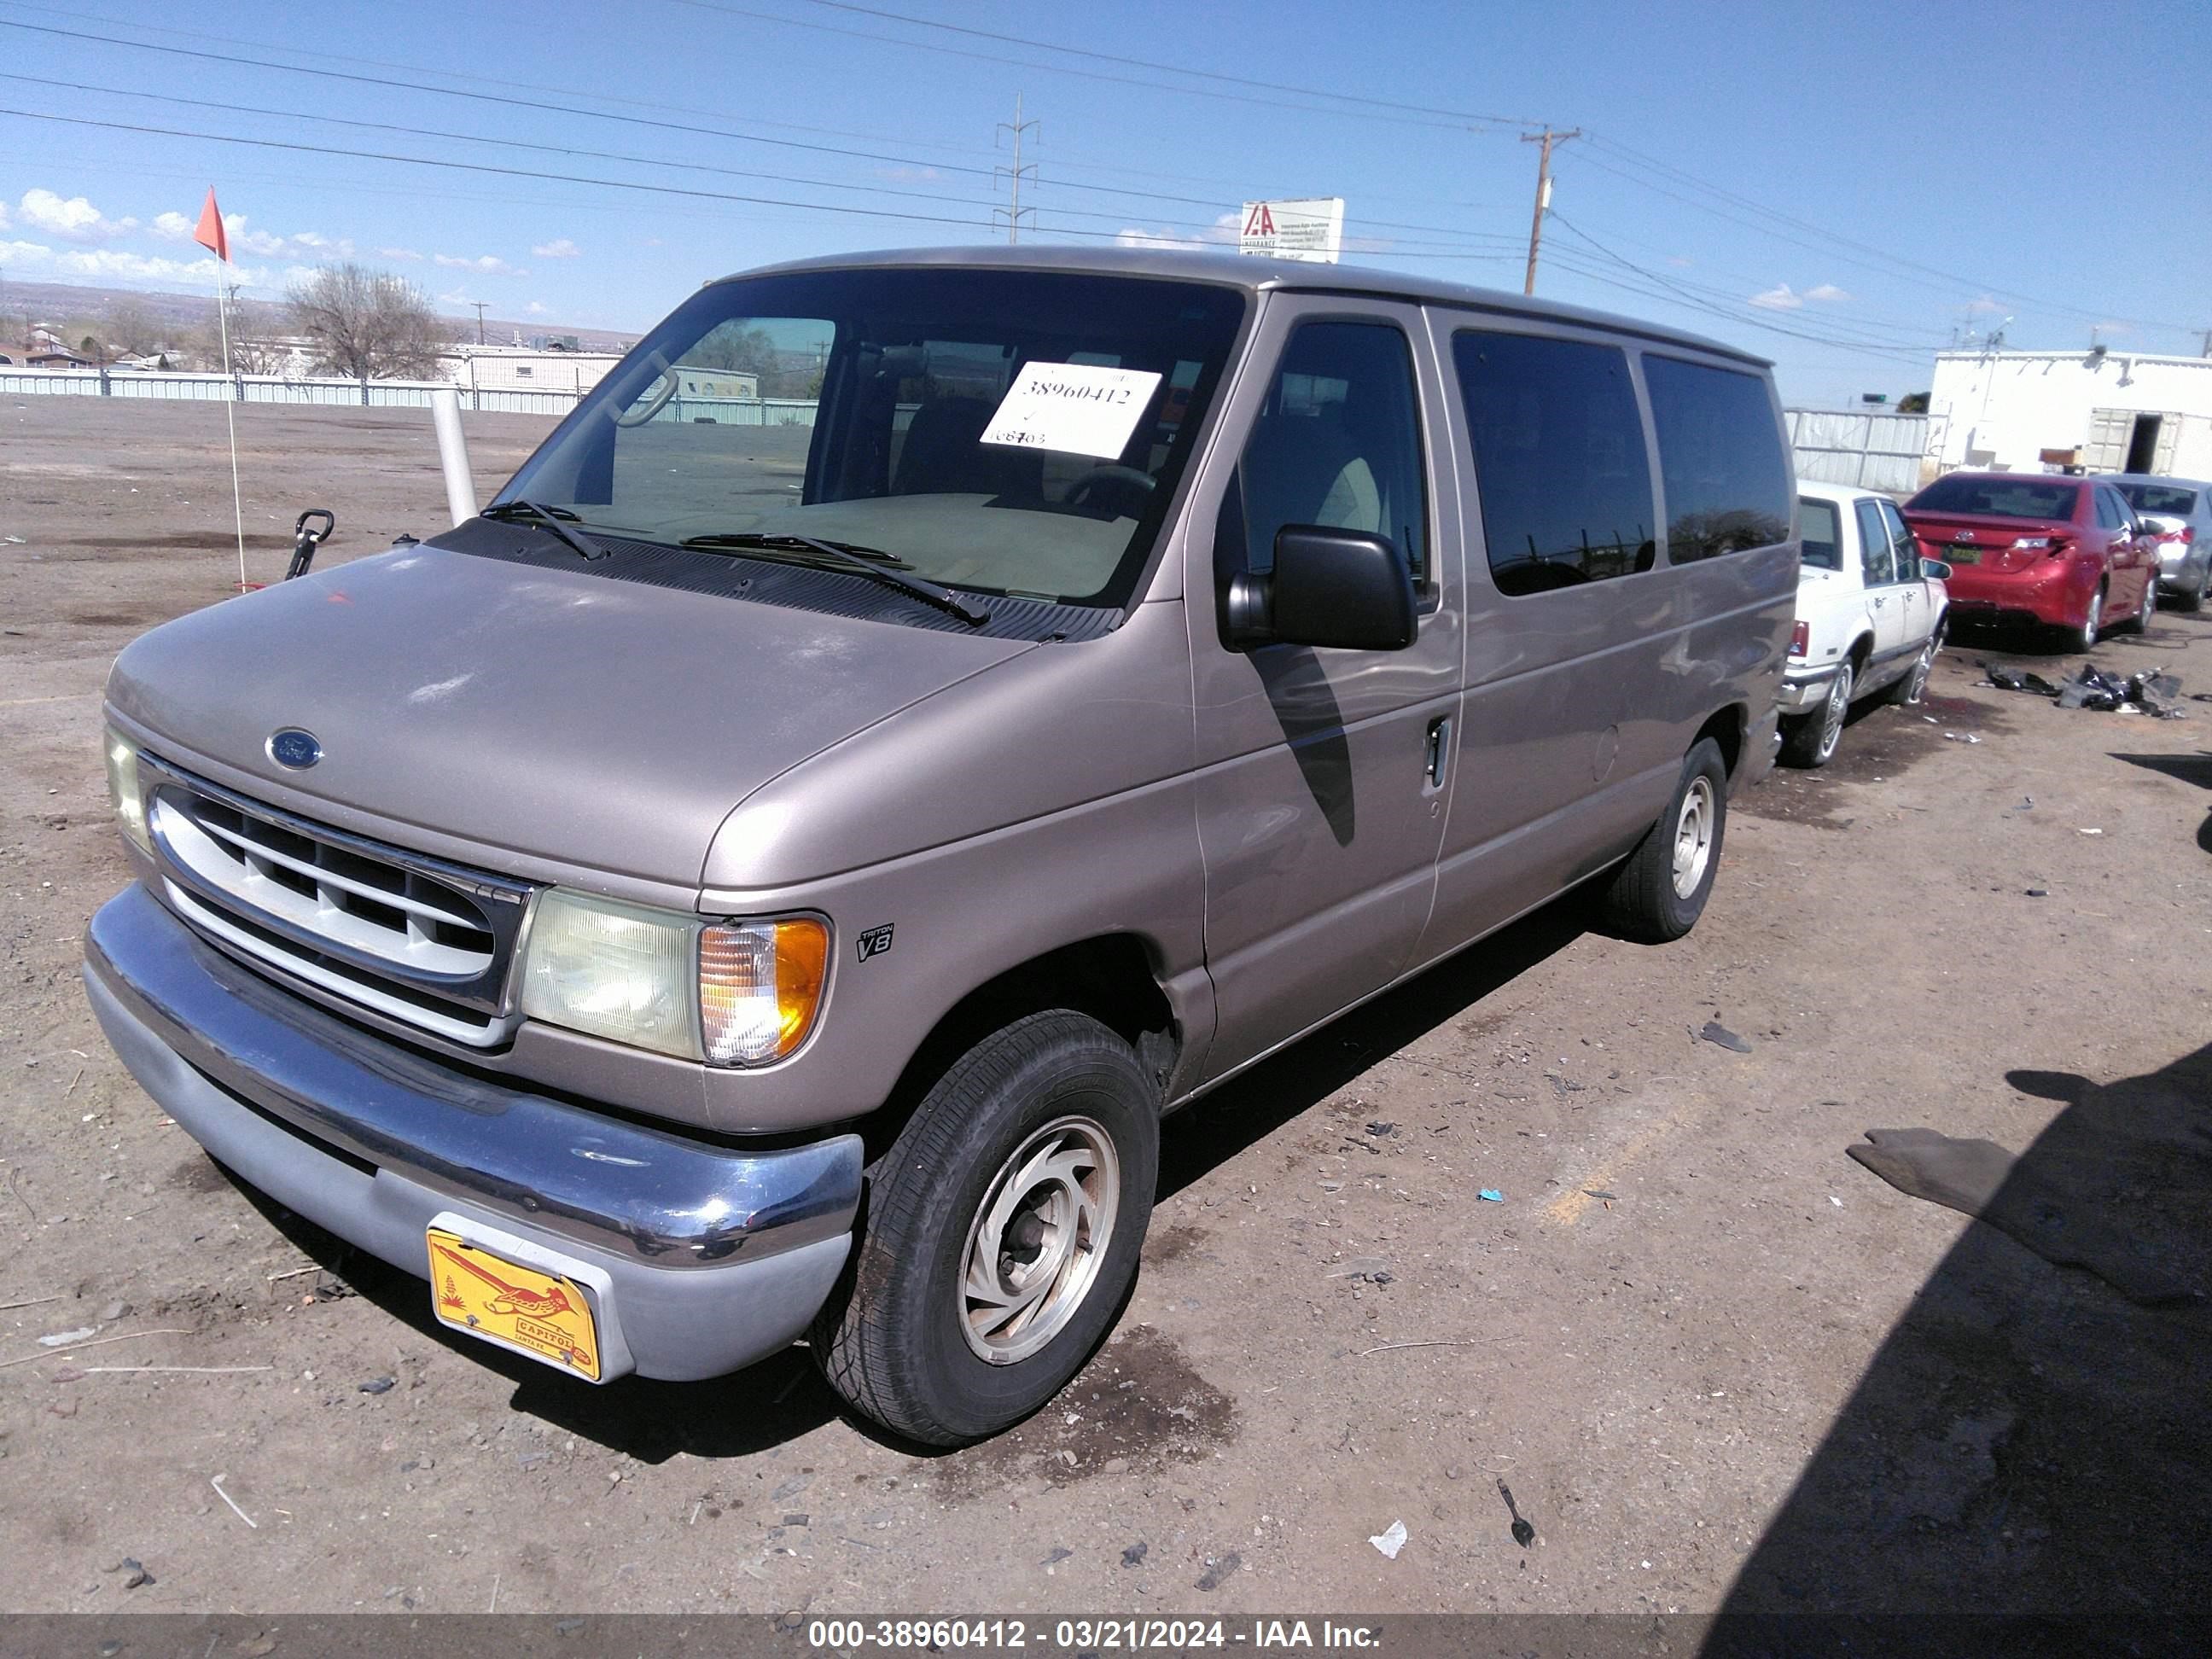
(2093, 624)
(1002, 1234)
(1661, 891)
(2141, 622)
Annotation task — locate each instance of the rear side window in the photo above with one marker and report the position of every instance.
(1817, 530)
(1720, 460)
(2159, 498)
(1339, 443)
(2111, 512)
(1559, 459)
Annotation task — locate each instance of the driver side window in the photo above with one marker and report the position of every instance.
(1337, 443)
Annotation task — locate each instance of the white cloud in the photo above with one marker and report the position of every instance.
(1222, 231)
(1983, 306)
(559, 248)
(1679, 262)
(1828, 293)
(170, 227)
(537, 309)
(116, 264)
(1778, 298)
(487, 264)
(72, 219)
(407, 253)
(24, 253)
(459, 296)
(4, 216)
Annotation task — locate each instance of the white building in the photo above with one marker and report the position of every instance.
(2106, 410)
(526, 368)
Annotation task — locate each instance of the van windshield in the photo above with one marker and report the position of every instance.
(1004, 431)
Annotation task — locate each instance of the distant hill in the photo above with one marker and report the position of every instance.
(23, 305)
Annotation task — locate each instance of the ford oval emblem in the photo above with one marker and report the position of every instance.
(293, 749)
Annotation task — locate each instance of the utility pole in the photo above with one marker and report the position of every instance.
(1547, 138)
(479, 304)
(1017, 127)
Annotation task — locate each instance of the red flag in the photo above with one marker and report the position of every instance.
(211, 235)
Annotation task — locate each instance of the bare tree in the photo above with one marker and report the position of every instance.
(129, 325)
(366, 324)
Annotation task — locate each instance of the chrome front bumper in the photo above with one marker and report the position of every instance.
(714, 1257)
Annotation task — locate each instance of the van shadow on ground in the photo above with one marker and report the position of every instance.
(2027, 1440)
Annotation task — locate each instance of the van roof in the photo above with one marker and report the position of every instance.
(1255, 276)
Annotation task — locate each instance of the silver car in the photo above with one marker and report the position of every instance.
(2178, 511)
(772, 872)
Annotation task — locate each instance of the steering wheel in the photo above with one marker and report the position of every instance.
(655, 400)
(1132, 476)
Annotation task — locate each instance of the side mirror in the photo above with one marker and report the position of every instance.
(1935, 569)
(1342, 589)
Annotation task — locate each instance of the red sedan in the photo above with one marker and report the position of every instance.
(2066, 553)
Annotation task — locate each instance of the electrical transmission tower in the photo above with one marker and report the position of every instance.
(1012, 214)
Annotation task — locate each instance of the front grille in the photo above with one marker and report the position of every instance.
(413, 938)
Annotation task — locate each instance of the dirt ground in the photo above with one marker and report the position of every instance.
(1718, 1363)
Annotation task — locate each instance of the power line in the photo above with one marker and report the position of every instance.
(1876, 257)
(1450, 120)
(1143, 63)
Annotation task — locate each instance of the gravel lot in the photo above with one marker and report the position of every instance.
(1718, 1363)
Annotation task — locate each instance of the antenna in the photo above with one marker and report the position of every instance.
(1014, 175)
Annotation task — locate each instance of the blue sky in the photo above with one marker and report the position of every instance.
(1880, 177)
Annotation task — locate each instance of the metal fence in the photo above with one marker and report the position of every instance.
(373, 394)
(1865, 449)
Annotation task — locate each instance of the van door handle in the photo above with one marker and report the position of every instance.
(1439, 749)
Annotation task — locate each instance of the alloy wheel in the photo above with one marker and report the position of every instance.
(1038, 1239)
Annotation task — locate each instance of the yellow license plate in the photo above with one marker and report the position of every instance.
(542, 1315)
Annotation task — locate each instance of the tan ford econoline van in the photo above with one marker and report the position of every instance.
(772, 872)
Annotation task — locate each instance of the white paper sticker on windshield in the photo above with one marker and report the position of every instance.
(1078, 409)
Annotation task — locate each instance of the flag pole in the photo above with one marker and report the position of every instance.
(230, 416)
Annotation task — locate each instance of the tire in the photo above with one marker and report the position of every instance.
(1050, 1106)
(1658, 895)
(2084, 638)
(1914, 685)
(2140, 622)
(2194, 599)
(1811, 738)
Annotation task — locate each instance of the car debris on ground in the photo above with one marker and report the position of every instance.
(2153, 691)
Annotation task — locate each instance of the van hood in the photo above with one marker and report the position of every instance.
(538, 716)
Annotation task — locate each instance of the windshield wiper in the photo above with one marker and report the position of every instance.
(869, 561)
(763, 538)
(547, 519)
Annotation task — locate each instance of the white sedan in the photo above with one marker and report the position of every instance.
(1871, 616)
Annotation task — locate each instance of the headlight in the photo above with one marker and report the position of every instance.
(738, 993)
(123, 788)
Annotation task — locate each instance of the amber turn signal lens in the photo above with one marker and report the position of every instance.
(760, 987)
